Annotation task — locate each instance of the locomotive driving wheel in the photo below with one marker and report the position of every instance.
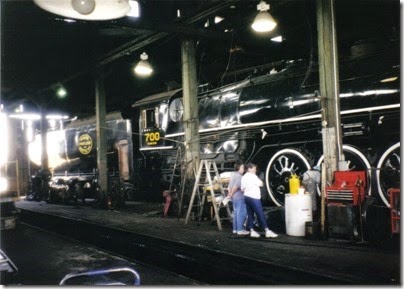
(388, 172)
(280, 167)
(356, 162)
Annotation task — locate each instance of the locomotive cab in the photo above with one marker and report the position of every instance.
(155, 121)
(151, 128)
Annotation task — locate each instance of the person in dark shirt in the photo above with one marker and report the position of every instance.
(239, 208)
(311, 180)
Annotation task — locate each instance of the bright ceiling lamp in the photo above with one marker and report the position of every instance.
(134, 9)
(61, 92)
(218, 19)
(86, 9)
(143, 68)
(390, 79)
(26, 116)
(263, 21)
(277, 39)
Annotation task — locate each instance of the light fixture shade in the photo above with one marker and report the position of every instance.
(80, 9)
(263, 22)
(143, 68)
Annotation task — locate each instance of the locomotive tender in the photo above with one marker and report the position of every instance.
(275, 119)
(73, 160)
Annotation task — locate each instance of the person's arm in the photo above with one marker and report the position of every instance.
(232, 191)
(258, 181)
(232, 188)
(318, 178)
(242, 186)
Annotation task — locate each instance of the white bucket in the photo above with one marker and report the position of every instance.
(298, 211)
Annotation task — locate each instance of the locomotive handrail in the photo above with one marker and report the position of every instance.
(291, 119)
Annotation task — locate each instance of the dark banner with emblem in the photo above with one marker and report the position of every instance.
(85, 144)
(81, 142)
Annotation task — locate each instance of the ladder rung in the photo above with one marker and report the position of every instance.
(207, 174)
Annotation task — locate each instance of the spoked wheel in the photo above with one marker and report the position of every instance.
(281, 166)
(388, 172)
(356, 162)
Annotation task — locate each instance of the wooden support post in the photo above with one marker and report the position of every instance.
(190, 101)
(101, 135)
(329, 91)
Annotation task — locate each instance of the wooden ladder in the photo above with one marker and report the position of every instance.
(178, 171)
(175, 171)
(203, 183)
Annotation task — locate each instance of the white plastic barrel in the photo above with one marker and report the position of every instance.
(298, 211)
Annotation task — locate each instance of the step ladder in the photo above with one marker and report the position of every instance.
(203, 184)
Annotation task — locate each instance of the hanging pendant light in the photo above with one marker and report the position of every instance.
(61, 91)
(143, 68)
(263, 21)
(86, 9)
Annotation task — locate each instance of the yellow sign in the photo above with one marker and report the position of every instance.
(152, 138)
(85, 144)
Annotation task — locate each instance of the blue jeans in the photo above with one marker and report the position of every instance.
(255, 206)
(239, 214)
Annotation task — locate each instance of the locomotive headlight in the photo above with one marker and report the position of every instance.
(3, 185)
(4, 141)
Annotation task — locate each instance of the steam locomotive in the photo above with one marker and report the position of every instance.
(72, 158)
(274, 120)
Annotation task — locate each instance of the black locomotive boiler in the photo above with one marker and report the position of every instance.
(274, 120)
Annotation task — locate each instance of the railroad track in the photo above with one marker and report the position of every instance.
(201, 264)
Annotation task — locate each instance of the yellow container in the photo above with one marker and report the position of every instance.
(294, 184)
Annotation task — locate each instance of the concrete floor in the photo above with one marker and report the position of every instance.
(355, 263)
(43, 258)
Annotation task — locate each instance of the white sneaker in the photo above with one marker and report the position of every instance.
(270, 234)
(234, 232)
(254, 234)
(243, 232)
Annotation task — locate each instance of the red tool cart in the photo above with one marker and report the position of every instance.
(344, 199)
(395, 210)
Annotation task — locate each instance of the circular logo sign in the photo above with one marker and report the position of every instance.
(85, 144)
